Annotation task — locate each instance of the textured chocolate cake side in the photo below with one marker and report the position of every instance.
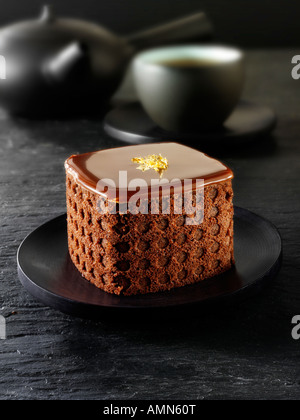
(136, 254)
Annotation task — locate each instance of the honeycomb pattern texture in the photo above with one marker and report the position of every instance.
(147, 253)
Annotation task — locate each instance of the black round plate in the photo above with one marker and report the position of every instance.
(47, 272)
(131, 124)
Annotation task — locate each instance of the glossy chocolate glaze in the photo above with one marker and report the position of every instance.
(184, 163)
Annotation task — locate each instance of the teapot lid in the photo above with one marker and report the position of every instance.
(48, 28)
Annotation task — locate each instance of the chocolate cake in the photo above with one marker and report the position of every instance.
(162, 241)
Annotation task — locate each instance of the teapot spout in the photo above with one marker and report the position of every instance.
(67, 65)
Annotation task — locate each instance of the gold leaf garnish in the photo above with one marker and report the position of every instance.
(155, 162)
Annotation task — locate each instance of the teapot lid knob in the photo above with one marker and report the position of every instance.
(47, 14)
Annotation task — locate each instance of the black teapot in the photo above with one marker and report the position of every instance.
(57, 66)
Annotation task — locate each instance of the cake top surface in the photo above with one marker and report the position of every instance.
(148, 162)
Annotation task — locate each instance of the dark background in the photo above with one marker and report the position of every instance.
(251, 23)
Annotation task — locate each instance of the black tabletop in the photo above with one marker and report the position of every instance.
(243, 351)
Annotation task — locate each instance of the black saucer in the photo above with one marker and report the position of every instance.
(47, 272)
(131, 124)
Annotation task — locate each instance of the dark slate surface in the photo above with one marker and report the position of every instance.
(245, 351)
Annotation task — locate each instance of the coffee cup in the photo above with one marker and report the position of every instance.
(189, 88)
